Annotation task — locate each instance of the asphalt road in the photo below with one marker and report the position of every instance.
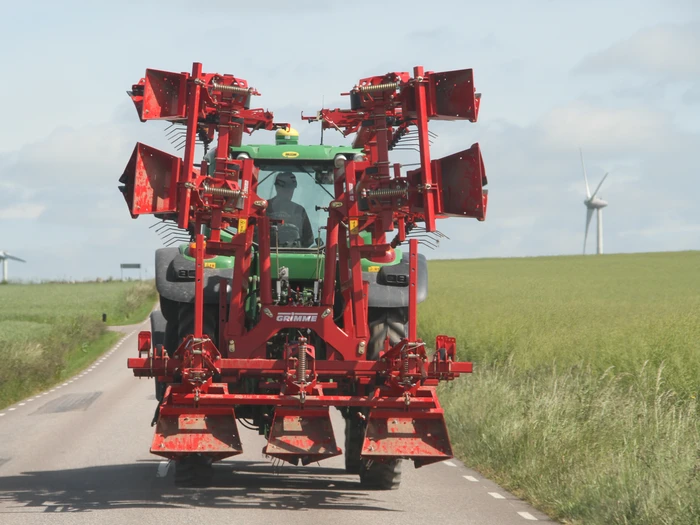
(78, 453)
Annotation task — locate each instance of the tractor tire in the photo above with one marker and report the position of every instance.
(381, 476)
(171, 340)
(194, 470)
(158, 331)
(354, 435)
(169, 308)
(158, 324)
(185, 322)
(383, 323)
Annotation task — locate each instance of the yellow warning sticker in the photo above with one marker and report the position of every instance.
(209, 264)
(242, 225)
(290, 154)
(373, 269)
(354, 226)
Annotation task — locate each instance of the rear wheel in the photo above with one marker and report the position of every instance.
(186, 321)
(381, 476)
(158, 330)
(384, 323)
(354, 435)
(194, 470)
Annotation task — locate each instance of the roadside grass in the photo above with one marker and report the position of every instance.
(48, 332)
(587, 370)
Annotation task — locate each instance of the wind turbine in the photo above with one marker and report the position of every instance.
(593, 204)
(4, 257)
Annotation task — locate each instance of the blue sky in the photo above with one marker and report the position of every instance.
(621, 79)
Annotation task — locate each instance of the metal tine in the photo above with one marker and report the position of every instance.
(176, 131)
(168, 223)
(165, 225)
(182, 145)
(432, 242)
(170, 236)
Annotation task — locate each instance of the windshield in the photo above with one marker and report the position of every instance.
(293, 192)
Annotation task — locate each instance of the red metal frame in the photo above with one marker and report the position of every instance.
(207, 378)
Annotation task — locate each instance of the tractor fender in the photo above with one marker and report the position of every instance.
(388, 288)
(175, 278)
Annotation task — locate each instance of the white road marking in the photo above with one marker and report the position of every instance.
(30, 400)
(64, 384)
(163, 467)
(470, 478)
(11, 409)
(449, 463)
(527, 516)
(22, 404)
(2, 414)
(496, 495)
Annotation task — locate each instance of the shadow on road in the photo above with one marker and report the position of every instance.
(237, 484)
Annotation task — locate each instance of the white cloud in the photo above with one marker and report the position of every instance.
(22, 211)
(671, 50)
(610, 129)
(667, 228)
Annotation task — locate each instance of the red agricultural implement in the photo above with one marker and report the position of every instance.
(278, 355)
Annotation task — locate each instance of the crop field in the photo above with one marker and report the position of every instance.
(50, 331)
(587, 371)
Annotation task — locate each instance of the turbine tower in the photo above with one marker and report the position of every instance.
(596, 204)
(4, 257)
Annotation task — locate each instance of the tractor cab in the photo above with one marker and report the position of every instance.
(297, 183)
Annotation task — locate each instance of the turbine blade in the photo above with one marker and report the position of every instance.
(589, 214)
(599, 185)
(12, 257)
(585, 177)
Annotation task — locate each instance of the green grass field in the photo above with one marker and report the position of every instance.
(50, 331)
(587, 371)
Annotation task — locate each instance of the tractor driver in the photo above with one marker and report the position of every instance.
(296, 227)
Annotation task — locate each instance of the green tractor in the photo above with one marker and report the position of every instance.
(297, 182)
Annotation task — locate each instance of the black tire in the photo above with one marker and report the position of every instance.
(383, 323)
(354, 435)
(169, 308)
(186, 322)
(171, 340)
(158, 328)
(194, 470)
(381, 476)
(158, 324)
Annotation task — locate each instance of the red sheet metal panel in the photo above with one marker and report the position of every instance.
(164, 95)
(421, 437)
(150, 181)
(302, 436)
(214, 436)
(461, 179)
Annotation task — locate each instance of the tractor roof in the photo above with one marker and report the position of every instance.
(287, 147)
